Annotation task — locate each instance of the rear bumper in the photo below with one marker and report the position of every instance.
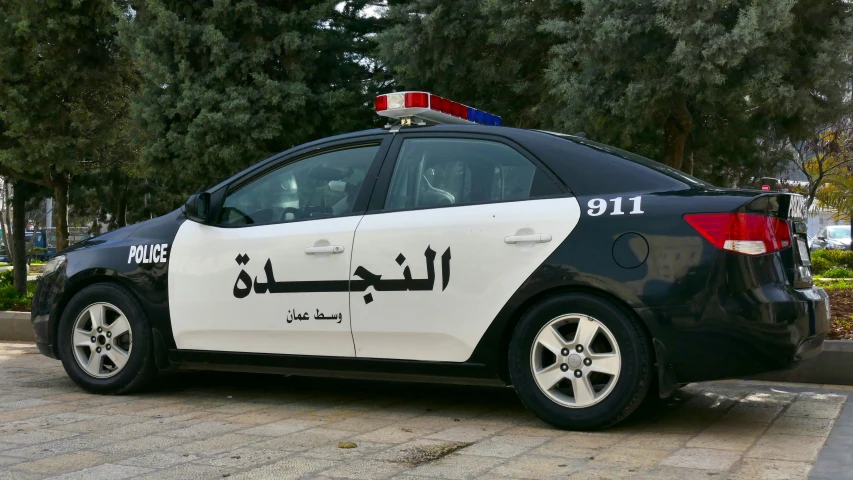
(766, 329)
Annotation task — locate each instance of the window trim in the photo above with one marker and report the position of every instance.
(383, 184)
(361, 199)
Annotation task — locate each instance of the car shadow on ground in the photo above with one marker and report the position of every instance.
(339, 391)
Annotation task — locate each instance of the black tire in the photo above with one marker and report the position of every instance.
(631, 385)
(140, 367)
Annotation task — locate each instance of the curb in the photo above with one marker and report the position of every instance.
(833, 366)
(16, 327)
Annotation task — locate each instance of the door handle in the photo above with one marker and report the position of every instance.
(325, 249)
(532, 238)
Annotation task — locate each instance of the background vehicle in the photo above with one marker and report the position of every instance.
(835, 237)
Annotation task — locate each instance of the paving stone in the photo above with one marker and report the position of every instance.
(813, 409)
(822, 397)
(465, 433)
(798, 448)
(728, 435)
(58, 447)
(753, 412)
(290, 468)
(142, 445)
(759, 469)
(816, 427)
(365, 469)
(158, 460)
(665, 472)
(456, 466)
(202, 430)
(360, 424)
(702, 458)
(216, 444)
(107, 471)
(536, 467)
(35, 436)
(244, 457)
(394, 434)
(283, 427)
(305, 439)
(64, 463)
(188, 471)
(655, 441)
(8, 461)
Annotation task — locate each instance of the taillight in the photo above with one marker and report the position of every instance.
(745, 233)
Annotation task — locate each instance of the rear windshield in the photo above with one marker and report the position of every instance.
(638, 159)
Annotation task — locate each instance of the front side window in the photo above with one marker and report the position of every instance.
(321, 186)
(438, 172)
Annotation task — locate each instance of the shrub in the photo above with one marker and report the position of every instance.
(839, 272)
(820, 265)
(836, 258)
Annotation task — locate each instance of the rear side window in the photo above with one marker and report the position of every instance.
(442, 172)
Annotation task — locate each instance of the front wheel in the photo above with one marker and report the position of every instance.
(578, 361)
(105, 341)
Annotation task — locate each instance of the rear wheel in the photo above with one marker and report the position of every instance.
(105, 341)
(579, 362)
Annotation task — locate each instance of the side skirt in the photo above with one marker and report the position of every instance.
(466, 373)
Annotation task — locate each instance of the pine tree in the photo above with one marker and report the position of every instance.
(226, 84)
(63, 91)
(671, 78)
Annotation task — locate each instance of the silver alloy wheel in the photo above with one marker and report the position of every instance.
(578, 372)
(102, 340)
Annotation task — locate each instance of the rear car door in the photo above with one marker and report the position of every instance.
(456, 224)
(272, 274)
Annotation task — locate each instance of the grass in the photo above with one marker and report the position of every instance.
(834, 284)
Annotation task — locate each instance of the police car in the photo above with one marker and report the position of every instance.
(445, 247)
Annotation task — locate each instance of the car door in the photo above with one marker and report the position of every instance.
(271, 275)
(456, 225)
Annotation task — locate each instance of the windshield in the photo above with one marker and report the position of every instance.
(633, 157)
(838, 233)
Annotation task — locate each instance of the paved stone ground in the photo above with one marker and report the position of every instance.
(215, 425)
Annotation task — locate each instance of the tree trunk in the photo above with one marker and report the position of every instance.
(676, 128)
(60, 211)
(19, 226)
(7, 230)
(688, 164)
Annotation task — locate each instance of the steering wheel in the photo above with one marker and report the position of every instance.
(295, 211)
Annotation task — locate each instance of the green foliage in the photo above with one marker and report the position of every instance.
(820, 265)
(834, 284)
(9, 298)
(226, 84)
(724, 77)
(832, 258)
(838, 272)
(483, 53)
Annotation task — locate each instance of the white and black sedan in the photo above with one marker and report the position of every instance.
(446, 247)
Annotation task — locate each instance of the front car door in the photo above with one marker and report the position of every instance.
(456, 225)
(272, 274)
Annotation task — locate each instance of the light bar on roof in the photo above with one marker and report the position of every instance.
(432, 108)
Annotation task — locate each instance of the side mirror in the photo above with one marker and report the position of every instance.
(821, 238)
(197, 207)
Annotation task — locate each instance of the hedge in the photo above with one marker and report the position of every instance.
(832, 263)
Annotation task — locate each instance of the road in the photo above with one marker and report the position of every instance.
(215, 425)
